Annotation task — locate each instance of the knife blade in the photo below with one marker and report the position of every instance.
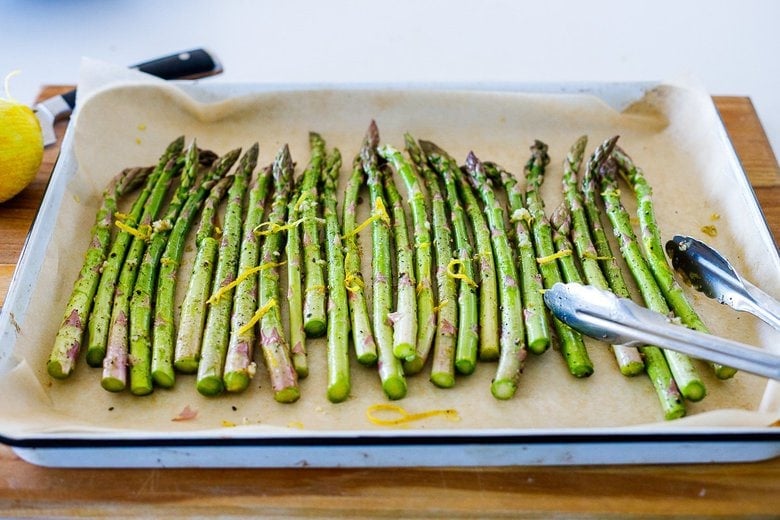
(190, 64)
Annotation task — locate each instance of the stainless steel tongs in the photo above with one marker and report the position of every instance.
(604, 316)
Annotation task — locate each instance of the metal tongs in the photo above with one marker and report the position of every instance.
(602, 315)
(704, 269)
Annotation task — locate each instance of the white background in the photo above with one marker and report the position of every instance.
(730, 47)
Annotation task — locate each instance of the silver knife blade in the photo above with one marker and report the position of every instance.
(191, 64)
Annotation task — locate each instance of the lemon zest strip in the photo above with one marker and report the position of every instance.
(240, 278)
(273, 227)
(262, 311)
(459, 275)
(142, 232)
(380, 212)
(404, 416)
(553, 257)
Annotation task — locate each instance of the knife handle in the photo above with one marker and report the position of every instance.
(191, 64)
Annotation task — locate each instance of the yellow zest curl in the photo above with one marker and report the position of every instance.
(380, 212)
(241, 277)
(121, 216)
(553, 257)
(441, 305)
(316, 288)
(142, 232)
(459, 275)
(273, 227)
(262, 311)
(404, 416)
(353, 283)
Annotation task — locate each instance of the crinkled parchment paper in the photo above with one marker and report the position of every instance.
(126, 119)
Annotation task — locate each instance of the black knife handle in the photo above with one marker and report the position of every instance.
(195, 63)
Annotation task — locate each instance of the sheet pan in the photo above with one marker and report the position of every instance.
(672, 131)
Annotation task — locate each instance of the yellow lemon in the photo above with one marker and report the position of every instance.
(21, 146)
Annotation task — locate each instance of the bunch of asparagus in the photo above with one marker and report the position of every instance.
(464, 287)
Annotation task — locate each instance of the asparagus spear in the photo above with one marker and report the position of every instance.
(338, 313)
(682, 368)
(390, 370)
(97, 332)
(239, 367)
(572, 345)
(362, 335)
(295, 284)
(193, 309)
(405, 316)
(468, 327)
(142, 301)
(628, 358)
(654, 252)
(314, 279)
(216, 333)
(115, 363)
(534, 313)
(512, 339)
(655, 363)
(67, 342)
(276, 351)
(443, 369)
(426, 317)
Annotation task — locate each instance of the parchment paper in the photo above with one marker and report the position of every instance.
(127, 118)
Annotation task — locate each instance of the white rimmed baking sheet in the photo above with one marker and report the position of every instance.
(672, 132)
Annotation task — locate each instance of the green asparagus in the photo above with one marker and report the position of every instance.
(443, 369)
(654, 252)
(314, 312)
(628, 358)
(426, 318)
(193, 309)
(570, 341)
(67, 342)
(295, 282)
(682, 368)
(512, 340)
(276, 350)
(115, 363)
(362, 335)
(97, 332)
(339, 383)
(216, 332)
(390, 370)
(239, 366)
(534, 313)
(467, 344)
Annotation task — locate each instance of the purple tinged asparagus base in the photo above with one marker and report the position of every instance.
(67, 343)
(276, 350)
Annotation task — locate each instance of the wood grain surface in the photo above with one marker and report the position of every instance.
(750, 489)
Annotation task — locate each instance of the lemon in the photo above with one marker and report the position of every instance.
(21, 146)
